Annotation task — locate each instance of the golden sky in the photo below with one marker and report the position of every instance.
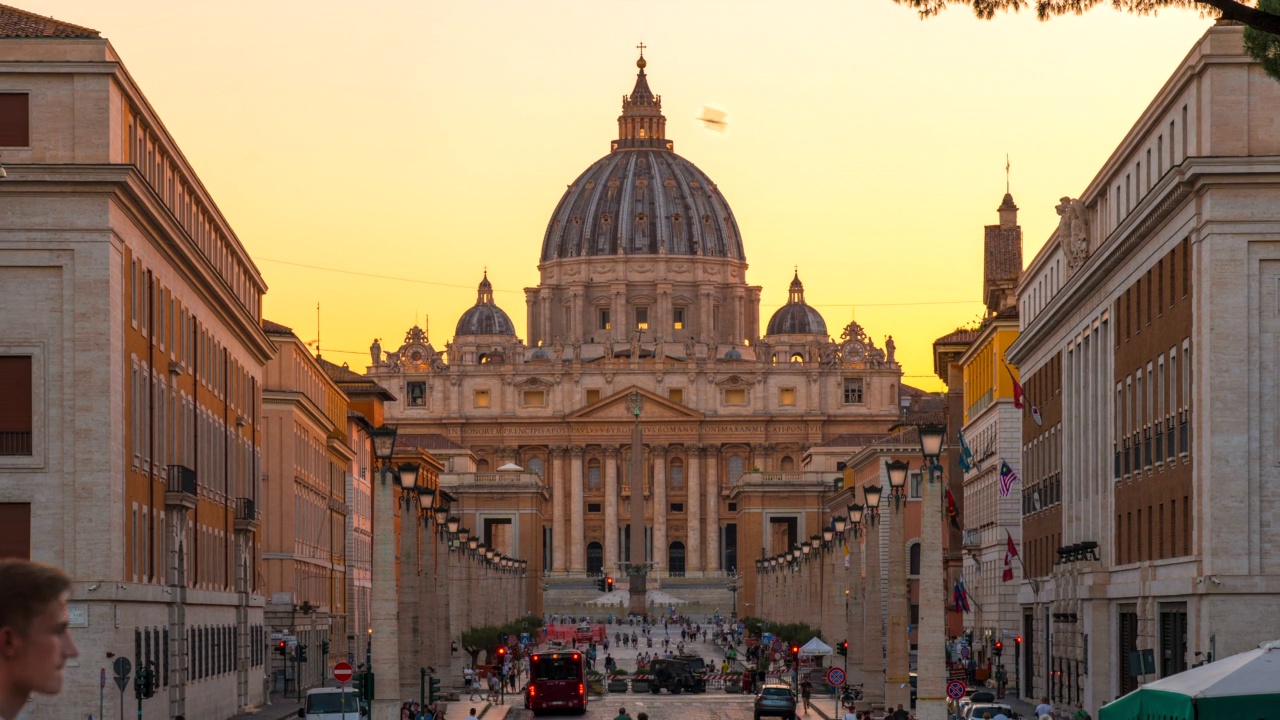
(374, 157)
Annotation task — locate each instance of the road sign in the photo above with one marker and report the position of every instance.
(955, 689)
(835, 677)
(122, 666)
(342, 672)
(964, 651)
(777, 645)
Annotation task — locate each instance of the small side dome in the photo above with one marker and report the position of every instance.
(733, 354)
(796, 317)
(485, 318)
(540, 354)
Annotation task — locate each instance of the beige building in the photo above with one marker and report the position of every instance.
(643, 290)
(306, 469)
(1149, 498)
(131, 368)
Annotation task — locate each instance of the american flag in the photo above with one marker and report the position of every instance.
(1007, 479)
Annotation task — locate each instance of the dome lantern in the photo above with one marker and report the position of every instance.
(796, 317)
(485, 317)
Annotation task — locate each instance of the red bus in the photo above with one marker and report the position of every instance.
(557, 681)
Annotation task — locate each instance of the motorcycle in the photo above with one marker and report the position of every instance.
(850, 695)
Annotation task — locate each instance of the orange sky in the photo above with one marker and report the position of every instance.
(374, 157)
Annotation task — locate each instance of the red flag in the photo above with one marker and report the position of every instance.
(953, 513)
(1010, 552)
(1017, 388)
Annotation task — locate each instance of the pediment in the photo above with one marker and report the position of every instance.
(734, 380)
(614, 407)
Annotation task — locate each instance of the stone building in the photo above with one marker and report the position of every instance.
(993, 433)
(1149, 488)
(131, 367)
(643, 290)
(307, 461)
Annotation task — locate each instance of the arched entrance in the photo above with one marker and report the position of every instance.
(595, 558)
(675, 559)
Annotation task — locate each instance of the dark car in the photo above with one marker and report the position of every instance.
(698, 668)
(673, 676)
(775, 700)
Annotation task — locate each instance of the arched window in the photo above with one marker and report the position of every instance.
(675, 559)
(535, 466)
(676, 475)
(797, 357)
(913, 563)
(735, 469)
(593, 474)
(595, 558)
(788, 463)
(482, 465)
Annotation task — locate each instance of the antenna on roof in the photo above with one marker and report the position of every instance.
(317, 329)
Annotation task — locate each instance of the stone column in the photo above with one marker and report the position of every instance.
(577, 543)
(610, 510)
(620, 331)
(855, 587)
(873, 619)
(713, 511)
(931, 701)
(659, 458)
(559, 528)
(693, 538)
(386, 651)
(408, 621)
(897, 666)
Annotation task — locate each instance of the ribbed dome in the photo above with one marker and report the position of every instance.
(485, 318)
(642, 198)
(796, 317)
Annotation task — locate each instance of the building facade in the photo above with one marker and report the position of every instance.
(1149, 489)
(308, 460)
(642, 290)
(144, 489)
(993, 431)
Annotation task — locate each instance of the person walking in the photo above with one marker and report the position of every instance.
(1044, 708)
(622, 714)
(1002, 680)
(806, 689)
(35, 642)
(900, 714)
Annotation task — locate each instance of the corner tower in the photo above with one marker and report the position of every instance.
(642, 245)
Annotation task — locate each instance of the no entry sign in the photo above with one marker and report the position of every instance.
(342, 672)
(835, 677)
(955, 689)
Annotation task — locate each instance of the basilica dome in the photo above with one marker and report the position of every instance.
(642, 198)
(485, 318)
(796, 317)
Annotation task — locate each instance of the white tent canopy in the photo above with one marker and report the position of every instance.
(511, 467)
(815, 647)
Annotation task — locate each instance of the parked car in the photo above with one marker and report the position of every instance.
(976, 710)
(672, 675)
(775, 700)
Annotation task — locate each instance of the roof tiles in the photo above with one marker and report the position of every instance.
(16, 23)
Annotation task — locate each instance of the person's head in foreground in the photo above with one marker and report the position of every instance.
(34, 641)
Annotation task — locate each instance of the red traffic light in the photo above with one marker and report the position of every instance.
(999, 645)
(1018, 639)
(608, 581)
(795, 649)
(502, 651)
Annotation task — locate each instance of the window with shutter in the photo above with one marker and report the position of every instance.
(15, 530)
(15, 120)
(15, 411)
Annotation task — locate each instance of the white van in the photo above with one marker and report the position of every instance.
(331, 703)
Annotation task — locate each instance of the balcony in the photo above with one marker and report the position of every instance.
(15, 442)
(246, 515)
(181, 490)
(971, 539)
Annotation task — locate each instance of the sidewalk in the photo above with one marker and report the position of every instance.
(281, 707)
(458, 709)
(823, 705)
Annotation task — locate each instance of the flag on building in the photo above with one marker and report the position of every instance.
(1035, 415)
(1007, 478)
(1010, 552)
(953, 513)
(966, 455)
(1018, 394)
(846, 556)
(961, 599)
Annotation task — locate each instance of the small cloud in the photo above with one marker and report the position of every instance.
(712, 119)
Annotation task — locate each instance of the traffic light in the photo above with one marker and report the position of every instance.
(601, 585)
(1018, 641)
(844, 648)
(433, 689)
(324, 647)
(502, 654)
(302, 653)
(608, 584)
(363, 685)
(144, 683)
(999, 648)
(795, 655)
(282, 648)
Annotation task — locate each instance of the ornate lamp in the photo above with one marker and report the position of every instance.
(897, 480)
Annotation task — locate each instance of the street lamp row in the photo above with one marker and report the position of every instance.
(434, 505)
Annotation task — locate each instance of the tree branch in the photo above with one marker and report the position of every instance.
(1251, 16)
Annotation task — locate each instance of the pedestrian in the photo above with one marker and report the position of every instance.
(1080, 713)
(622, 714)
(35, 643)
(806, 689)
(900, 714)
(642, 716)
(493, 687)
(1002, 679)
(472, 715)
(1044, 708)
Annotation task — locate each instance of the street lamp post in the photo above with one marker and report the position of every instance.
(931, 663)
(897, 676)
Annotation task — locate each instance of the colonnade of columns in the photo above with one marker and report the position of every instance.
(702, 492)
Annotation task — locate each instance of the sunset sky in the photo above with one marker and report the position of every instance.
(375, 157)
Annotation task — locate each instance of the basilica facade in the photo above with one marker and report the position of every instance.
(642, 294)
